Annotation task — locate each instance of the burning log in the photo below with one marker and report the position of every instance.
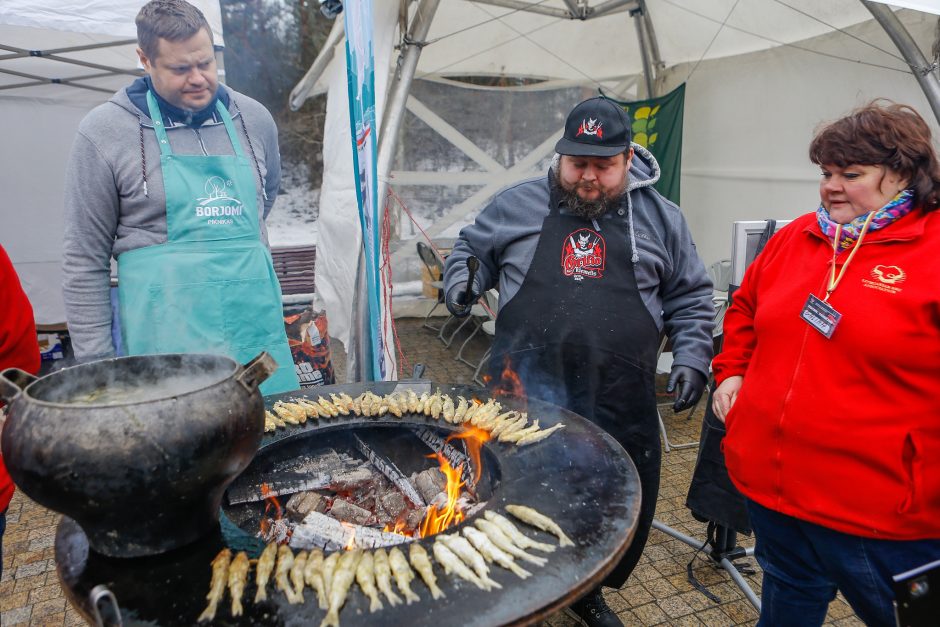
(302, 503)
(456, 458)
(296, 475)
(320, 531)
(390, 507)
(391, 471)
(430, 483)
(344, 511)
(287, 483)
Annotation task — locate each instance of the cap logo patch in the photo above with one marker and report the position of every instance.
(590, 126)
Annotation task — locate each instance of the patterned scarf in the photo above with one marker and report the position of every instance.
(897, 207)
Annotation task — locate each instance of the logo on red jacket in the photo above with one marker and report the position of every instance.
(583, 255)
(888, 274)
(886, 278)
(590, 126)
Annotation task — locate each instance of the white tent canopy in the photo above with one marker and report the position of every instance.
(761, 74)
(58, 60)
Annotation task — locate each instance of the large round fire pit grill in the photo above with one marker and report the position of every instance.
(579, 476)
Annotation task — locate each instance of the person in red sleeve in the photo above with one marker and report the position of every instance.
(830, 374)
(19, 348)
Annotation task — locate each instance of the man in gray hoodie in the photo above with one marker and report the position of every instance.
(593, 268)
(173, 177)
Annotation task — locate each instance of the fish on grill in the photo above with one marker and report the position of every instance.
(217, 585)
(422, 563)
(237, 580)
(263, 570)
(402, 573)
(534, 518)
(365, 577)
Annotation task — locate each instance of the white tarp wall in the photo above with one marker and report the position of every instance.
(40, 122)
(750, 109)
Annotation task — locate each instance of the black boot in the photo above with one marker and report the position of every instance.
(592, 610)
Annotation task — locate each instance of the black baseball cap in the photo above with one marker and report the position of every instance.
(597, 127)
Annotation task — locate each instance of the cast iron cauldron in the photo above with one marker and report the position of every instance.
(137, 450)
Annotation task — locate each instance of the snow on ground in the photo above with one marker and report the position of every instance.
(293, 220)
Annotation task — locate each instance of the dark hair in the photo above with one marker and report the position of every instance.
(892, 135)
(173, 20)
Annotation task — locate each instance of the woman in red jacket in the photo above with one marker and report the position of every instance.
(830, 374)
(19, 348)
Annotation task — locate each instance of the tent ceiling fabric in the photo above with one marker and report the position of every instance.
(51, 25)
(520, 43)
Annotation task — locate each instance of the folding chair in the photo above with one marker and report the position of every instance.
(435, 267)
(480, 316)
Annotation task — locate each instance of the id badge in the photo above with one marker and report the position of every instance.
(820, 315)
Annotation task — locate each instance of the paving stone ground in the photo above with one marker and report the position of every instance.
(657, 593)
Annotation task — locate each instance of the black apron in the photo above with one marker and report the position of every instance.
(578, 335)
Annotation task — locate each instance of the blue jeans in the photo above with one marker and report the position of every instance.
(804, 564)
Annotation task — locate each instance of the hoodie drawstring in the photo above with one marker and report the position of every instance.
(143, 154)
(251, 147)
(654, 176)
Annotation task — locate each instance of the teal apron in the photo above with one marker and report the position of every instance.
(212, 287)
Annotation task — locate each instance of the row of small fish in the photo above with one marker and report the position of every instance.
(494, 539)
(329, 577)
(509, 426)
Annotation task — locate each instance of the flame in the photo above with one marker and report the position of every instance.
(437, 520)
(270, 502)
(474, 437)
(509, 383)
(399, 528)
(352, 536)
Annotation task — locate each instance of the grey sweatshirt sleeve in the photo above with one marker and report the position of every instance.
(688, 310)
(91, 216)
(479, 240)
(272, 161)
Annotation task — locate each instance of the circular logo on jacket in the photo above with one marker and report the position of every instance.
(889, 275)
(583, 254)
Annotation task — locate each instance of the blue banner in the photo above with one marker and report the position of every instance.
(360, 70)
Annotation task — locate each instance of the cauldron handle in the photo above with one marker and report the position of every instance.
(12, 382)
(256, 371)
(104, 607)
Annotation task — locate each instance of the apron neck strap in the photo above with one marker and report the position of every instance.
(159, 128)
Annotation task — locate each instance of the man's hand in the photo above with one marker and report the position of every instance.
(725, 396)
(688, 384)
(456, 297)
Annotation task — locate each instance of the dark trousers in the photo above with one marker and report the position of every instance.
(3, 527)
(647, 463)
(804, 564)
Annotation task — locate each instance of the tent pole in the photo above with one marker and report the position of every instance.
(398, 90)
(657, 59)
(302, 90)
(912, 54)
(637, 15)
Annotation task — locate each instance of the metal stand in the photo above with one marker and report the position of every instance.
(722, 551)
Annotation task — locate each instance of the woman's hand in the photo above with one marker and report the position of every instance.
(725, 396)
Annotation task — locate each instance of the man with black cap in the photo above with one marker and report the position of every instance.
(593, 267)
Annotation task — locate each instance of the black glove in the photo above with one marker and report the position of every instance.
(688, 384)
(456, 298)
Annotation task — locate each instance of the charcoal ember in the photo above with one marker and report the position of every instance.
(392, 504)
(415, 518)
(429, 483)
(352, 480)
(302, 503)
(347, 512)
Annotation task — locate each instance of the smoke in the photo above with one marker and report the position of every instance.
(126, 380)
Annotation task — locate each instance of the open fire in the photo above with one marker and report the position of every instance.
(368, 501)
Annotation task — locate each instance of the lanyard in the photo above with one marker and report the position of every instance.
(833, 279)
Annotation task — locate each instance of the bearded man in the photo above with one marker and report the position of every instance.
(593, 267)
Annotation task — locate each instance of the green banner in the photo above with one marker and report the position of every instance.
(657, 126)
